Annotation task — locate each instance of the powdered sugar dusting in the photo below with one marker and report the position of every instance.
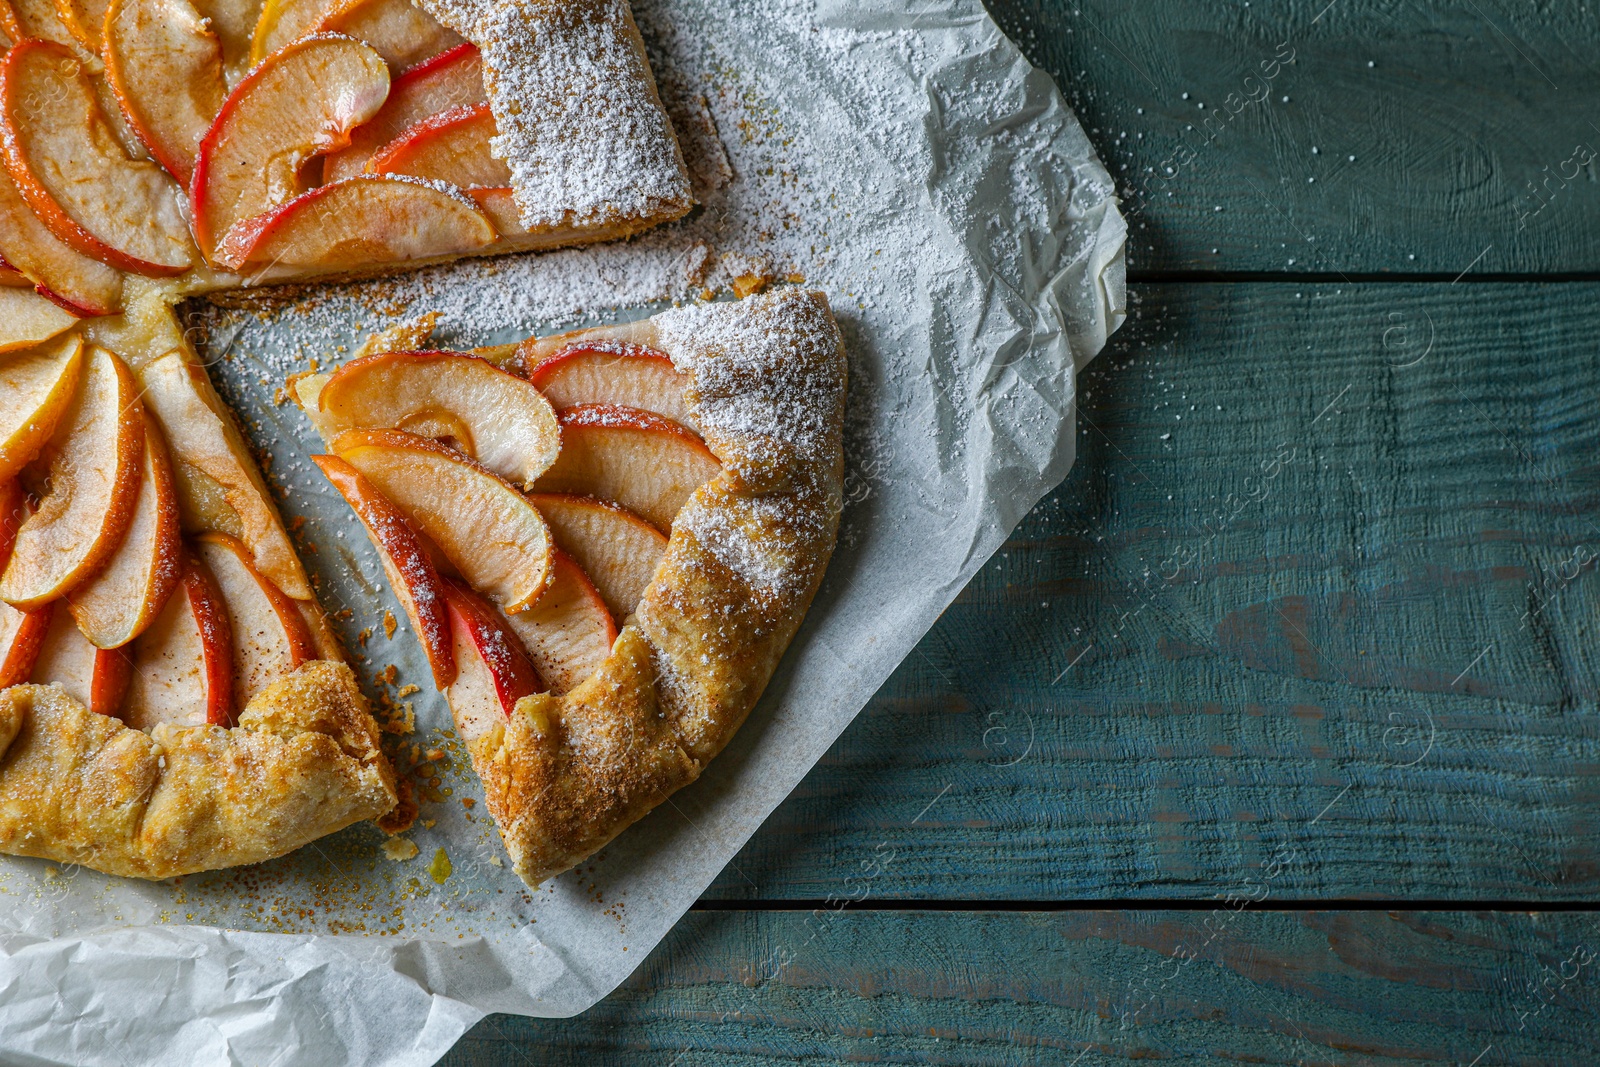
(579, 121)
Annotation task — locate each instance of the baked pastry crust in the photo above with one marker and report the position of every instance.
(76, 787)
(565, 775)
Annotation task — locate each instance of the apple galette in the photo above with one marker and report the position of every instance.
(171, 699)
(604, 540)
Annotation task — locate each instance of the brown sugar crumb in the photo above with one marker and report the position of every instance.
(399, 820)
(406, 690)
(468, 802)
(390, 673)
(746, 284)
(364, 636)
(794, 277)
(435, 754)
(389, 624)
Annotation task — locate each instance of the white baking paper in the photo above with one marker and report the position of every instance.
(900, 155)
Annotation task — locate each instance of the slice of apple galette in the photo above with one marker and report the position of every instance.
(604, 540)
(191, 145)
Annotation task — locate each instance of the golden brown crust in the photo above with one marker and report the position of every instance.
(747, 553)
(76, 787)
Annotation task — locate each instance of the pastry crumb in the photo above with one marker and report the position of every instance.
(389, 624)
(400, 848)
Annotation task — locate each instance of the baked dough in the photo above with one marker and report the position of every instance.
(76, 787)
(767, 375)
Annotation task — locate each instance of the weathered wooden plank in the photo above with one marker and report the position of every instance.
(1358, 135)
(1371, 672)
(1086, 989)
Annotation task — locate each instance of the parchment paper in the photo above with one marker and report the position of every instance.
(900, 155)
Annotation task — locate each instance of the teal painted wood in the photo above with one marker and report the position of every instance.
(1322, 580)
(1400, 137)
(1088, 989)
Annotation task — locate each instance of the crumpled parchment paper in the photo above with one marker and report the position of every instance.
(899, 154)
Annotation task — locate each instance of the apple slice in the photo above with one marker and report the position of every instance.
(83, 19)
(452, 146)
(493, 671)
(124, 597)
(302, 100)
(281, 22)
(71, 168)
(270, 637)
(406, 560)
(488, 531)
(569, 632)
(22, 635)
(93, 482)
(648, 464)
(215, 473)
(35, 18)
(501, 207)
(402, 32)
(164, 65)
(14, 507)
(494, 417)
(11, 277)
(183, 664)
(357, 223)
(610, 372)
(617, 549)
(30, 318)
(97, 678)
(80, 284)
(453, 78)
(36, 391)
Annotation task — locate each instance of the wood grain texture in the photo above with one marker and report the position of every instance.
(1086, 989)
(1320, 586)
(1401, 136)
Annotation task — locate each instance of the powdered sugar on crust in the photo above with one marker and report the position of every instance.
(767, 381)
(580, 124)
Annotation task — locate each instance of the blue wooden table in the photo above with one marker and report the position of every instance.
(1272, 735)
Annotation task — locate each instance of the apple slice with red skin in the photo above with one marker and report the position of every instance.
(452, 146)
(94, 460)
(80, 284)
(97, 678)
(36, 391)
(124, 597)
(648, 464)
(451, 79)
(83, 19)
(617, 549)
(302, 100)
(609, 372)
(491, 535)
(493, 671)
(183, 664)
(30, 318)
(493, 417)
(406, 560)
(22, 635)
(164, 66)
(402, 32)
(270, 637)
(69, 165)
(360, 222)
(569, 632)
(11, 277)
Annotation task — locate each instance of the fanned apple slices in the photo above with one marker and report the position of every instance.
(224, 142)
(101, 592)
(429, 450)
